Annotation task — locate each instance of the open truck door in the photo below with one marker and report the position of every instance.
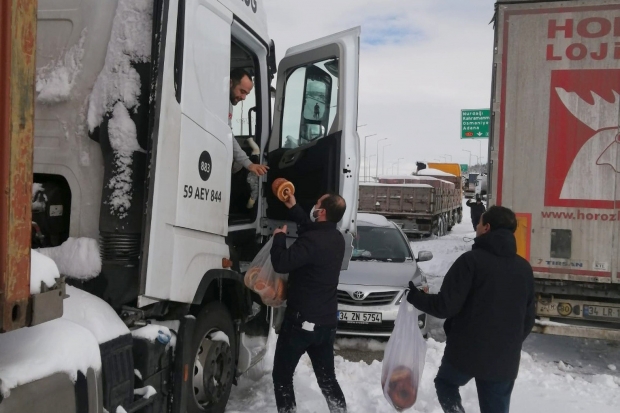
(314, 141)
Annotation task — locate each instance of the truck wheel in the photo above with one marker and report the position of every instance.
(440, 227)
(214, 361)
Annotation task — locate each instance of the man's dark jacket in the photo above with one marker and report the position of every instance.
(487, 298)
(313, 263)
(477, 209)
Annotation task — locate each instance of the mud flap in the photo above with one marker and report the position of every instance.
(183, 363)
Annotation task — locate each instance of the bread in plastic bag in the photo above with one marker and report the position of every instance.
(264, 281)
(403, 360)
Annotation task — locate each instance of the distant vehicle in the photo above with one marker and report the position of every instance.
(451, 168)
(471, 183)
(555, 151)
(419, 205)
(377, 280)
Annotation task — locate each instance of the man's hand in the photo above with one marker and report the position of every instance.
(413, 291)
(291, 201)
(258, 169)
(280, 230)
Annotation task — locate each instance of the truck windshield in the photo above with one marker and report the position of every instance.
(381, 244)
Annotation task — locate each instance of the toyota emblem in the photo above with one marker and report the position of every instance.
(358, 295)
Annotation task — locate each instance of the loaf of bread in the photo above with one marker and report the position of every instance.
(282, 189)
(401, 390)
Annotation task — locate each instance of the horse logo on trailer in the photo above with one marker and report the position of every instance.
(583, 159)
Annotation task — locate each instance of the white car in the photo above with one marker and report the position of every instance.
(377, 280)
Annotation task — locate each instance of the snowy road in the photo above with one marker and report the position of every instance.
(558, 374)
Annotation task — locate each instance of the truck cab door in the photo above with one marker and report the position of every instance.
(314, 141)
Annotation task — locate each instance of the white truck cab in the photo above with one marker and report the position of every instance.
(134, 148)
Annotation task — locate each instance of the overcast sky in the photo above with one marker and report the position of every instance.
(421, 62)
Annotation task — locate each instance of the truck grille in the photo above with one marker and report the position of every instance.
(382, 298)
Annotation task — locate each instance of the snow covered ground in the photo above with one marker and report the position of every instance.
(558, 374)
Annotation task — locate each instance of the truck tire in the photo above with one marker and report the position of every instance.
(214, 362)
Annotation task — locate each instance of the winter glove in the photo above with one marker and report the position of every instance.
(413, 291)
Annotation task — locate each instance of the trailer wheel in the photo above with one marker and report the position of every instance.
(441, 227)
(214, 367)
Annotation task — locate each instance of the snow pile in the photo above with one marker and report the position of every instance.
(123, 139)
(76, 258)
(540, 387)
(55, 80)
(219, 336)
(146, 392)
(33, 353)
(42, 270)
(130, 41)
(117, 90)
(93, 314)
(152, 332)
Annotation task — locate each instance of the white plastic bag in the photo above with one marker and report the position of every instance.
(264, 281)
(403, 360)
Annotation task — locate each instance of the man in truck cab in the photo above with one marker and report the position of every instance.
(240, 87)
(243, 186)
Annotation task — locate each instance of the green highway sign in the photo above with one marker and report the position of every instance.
(475, 123)
(464, 167)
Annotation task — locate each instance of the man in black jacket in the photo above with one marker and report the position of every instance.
(313, 264)
(477, 209)
(487, 299)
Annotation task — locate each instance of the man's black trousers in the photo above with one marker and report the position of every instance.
(493, 396)
(293, 342)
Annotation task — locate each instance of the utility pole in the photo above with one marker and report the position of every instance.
(468, 163)
(383, 158)
(369, 158)
(377, 167)
(398, 166)
(366, 159)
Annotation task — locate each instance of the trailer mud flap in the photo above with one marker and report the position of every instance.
(183, 364)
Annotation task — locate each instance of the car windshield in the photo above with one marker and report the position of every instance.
(380, 243)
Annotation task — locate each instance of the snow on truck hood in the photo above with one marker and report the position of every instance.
(42, 270)
(68, 344)
(32, 353)
(94, 314)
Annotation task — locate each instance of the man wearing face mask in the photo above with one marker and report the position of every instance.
(313, 263)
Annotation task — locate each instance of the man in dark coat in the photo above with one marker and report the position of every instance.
(313, 263)
(487, 299)
(477, 209)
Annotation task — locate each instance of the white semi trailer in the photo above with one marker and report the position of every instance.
(554, 156)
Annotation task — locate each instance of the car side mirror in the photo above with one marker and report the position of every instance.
(424, 256)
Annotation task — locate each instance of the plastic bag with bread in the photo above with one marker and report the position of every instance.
(264, 281)
(403, 360)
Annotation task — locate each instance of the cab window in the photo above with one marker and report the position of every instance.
(310, 103)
